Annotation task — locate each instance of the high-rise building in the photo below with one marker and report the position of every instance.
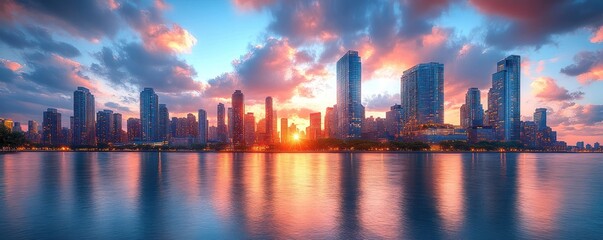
(17, 127)
(580, 145)
(203, 128)
(134, 128)
(350, 111)
(422, 94)
(164, 123)
(249, 128)
(32, 126)
(315, 129)
(275, 137)
(472, 112)
(329, 131)
(504, 99)
(212, 134)
(540, 118)
(83, 117)
(284, 130)
(528, 134)
(230, 124)
(269, 120)
(51, 127)
(8, 123)
(192, 126)
(117, 128)
(238, 113)
(104, 126)
(149, 115)
(222, 131)
(393, 121)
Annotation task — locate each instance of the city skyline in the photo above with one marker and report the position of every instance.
(46, 60)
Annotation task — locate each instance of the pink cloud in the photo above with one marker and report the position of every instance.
(252, 4)
(597, 36)
(13, 66)
(547, 89)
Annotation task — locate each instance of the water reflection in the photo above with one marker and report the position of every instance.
(344, 196)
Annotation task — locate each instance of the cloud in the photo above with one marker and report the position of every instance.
(587, 66)
(519, 23)
(36, 38)
(131, 65)
(266, 70)
(597, 36)
(547, 89)
(117, 107)
(9, 70)
(56, 73)
(381, 102)
(156, 34)
(90, 19)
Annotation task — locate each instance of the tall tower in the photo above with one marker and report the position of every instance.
(422, 94)
(284, 130)
(51, 127)
(269, 120)
(164, 123)
(202, 126)
(117, 128)
(222, 131)
(238, 114)
(504, 100)
(315, 129)
(104, 126)
(149, 115)
(249, 128)
(350, 111)
(83, 117)
(472, 112)
(540, 118)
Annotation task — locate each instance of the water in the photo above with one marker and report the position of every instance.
(58, 195)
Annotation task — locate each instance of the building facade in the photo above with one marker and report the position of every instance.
(164, 123)
(350, 111)
(51, 127)
(504, 99)
(222, 131)
(84, 125)
(203, 126)
(149, 115)
(104, 126)
(238, 114)
(472, 111)
(422, 94)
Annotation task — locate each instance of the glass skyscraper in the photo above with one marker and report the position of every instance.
(540, 118)
(350, 111)
(222, 131)
(269, 120)
(472, 112)
(422, 94)
(83, 118)
(51, 127)
(504, 99)
(149, 115)
(104, 126)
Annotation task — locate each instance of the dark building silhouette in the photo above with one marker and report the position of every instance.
(238, 113)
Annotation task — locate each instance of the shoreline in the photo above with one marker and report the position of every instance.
(305, 152)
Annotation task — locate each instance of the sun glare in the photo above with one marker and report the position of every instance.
(296, 137)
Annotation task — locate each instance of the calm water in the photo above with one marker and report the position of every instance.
(301, 196)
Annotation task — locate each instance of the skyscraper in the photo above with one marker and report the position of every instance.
(117, 128)
(269, 120)
(32, 126)
(393, 121)
(192, 126)
(422, 94)
(51, 127)
(104, 126)
(164, 123)
(472, 112)
(350, 111)
(249, 128)
(238, 113)
(504, 99)
(222, 131)
(540, 118)
(329, 131)
(83, 117)
(284, 130)
(203, 128)
(134, 128)
(230, 124)
(149, 115)
(315, 131)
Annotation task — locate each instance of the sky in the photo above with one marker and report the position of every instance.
(196, 53)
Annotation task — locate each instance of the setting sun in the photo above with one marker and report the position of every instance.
(296, 137)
